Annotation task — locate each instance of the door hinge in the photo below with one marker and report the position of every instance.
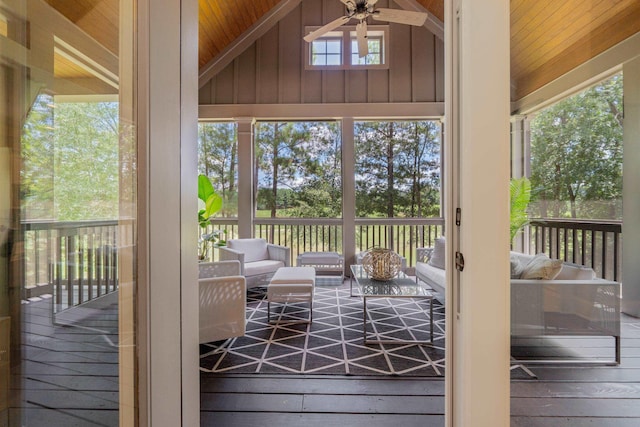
(459, 261)
(458, 216)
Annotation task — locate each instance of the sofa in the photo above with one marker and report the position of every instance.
(548, 297)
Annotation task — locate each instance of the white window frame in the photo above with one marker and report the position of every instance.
(344, 32)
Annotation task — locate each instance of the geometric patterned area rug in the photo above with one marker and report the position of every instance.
(333, 343)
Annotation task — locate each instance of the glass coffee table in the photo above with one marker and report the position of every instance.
(401, 286)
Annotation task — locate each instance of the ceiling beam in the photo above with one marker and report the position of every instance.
(246, 39)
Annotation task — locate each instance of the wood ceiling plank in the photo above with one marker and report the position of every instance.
(579, 28)
(615, 30)
(434, 6)
(98, 18)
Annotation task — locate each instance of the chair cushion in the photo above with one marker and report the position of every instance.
(517, 266)
(542, 267)
(435, 275)
(261, 267)
(438, 256)
(253, 249)
(294, 275)
(575, 272)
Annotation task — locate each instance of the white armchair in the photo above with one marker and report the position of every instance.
(223, 301)
(258, 259)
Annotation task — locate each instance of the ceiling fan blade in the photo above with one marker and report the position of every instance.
(361, 33)
(325, 29)
(372, 3)
(400, 16)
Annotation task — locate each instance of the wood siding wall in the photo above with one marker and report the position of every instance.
(272, 71)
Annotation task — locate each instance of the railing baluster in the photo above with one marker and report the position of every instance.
(604, 254)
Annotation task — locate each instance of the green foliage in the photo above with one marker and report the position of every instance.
(397, 168)
(576, 154)
(299, 168)
(70, 160)
(218, 160)
(212, 204)
(520, 192)
(36, 175)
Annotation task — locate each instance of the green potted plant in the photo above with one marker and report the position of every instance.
(211, 203)
(520, 190)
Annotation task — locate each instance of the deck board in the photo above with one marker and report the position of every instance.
(76, 371)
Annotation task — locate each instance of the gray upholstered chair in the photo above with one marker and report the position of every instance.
(223, 301)
(258, 259)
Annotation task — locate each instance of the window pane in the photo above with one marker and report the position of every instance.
(68, 209)
(334, 46)
(299, 169)
(319, 46)
(397, 169)
(333, 59)
(218, 160)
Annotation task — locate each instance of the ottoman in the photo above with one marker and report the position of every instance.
(292, 284)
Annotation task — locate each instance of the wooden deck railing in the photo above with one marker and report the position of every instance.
(404, 235)
(596, 244)
(75, 261)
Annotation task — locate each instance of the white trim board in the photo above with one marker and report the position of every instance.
(314, 111)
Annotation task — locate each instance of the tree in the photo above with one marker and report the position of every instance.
(218, 160)
(397, 168)
(86, 160)
(298, 167)
(36, 175)
(576, 154)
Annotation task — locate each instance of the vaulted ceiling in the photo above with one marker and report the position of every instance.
(548, 37)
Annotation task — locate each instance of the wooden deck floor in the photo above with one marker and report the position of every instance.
(561, 396)
(69, 377)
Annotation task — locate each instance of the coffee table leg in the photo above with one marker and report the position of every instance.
(364, 319)
(431, 318)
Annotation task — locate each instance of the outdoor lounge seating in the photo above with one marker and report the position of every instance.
(569, 301)
(223, 301)
(258, 259)
(292, 284)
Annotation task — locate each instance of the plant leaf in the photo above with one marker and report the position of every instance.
(205, 188)
(520, 192)
(213, 205)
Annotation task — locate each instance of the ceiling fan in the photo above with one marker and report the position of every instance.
(361, 10)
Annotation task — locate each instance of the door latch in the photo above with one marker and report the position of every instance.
(459, 261)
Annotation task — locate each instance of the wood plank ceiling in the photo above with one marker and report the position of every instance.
(548, 37)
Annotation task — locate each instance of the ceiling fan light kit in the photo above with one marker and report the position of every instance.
(361, 10)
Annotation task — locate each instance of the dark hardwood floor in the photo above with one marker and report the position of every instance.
(70, 378)
(560, 396)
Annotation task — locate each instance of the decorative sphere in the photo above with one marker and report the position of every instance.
(381, 264)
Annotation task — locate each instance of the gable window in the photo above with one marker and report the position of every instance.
(375, 41)
(338, 49)
(327, 50)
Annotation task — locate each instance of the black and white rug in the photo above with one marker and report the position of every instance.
(333, 343)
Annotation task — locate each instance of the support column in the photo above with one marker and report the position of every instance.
(631, 200)
(167, 100)
(246, 209)
(348, 194)
(478, 297)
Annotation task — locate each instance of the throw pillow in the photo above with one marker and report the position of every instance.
(516, 267)
(542, 267)
(438, 256)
